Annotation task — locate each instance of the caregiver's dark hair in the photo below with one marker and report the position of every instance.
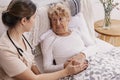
(17, 10)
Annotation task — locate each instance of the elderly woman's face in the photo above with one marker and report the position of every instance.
(59, 24)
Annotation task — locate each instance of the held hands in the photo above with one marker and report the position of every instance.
(77, 63)
(79, 57)
(75, 67)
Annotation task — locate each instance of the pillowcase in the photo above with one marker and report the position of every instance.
(41, 25)
(74, 6)
(78, 22)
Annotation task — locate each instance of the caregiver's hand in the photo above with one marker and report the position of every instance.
(75, 67)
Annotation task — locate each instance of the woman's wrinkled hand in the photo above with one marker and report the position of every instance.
(79, 57)
(80, 61)
(75, 67)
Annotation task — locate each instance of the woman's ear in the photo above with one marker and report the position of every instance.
(23, 21)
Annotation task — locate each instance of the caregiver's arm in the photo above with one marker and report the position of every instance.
(69, 70)
(15, 68)
(35, 69)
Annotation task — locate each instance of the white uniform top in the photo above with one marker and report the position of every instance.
(62, 48)
(11, 63)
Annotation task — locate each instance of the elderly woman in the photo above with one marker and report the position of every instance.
(64, 45)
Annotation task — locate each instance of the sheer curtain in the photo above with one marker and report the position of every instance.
(86, 8)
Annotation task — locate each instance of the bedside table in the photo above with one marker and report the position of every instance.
(111, 35)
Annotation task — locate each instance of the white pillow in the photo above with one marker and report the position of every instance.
(78, 21)
(41, 25)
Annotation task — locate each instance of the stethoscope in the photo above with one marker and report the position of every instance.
(20, 51)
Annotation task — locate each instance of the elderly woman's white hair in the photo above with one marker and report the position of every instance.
(58, 9)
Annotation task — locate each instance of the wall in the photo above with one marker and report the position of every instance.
(38, 2)
(99, 12)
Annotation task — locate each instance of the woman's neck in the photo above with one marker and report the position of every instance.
(15, 34)
(65, 34)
